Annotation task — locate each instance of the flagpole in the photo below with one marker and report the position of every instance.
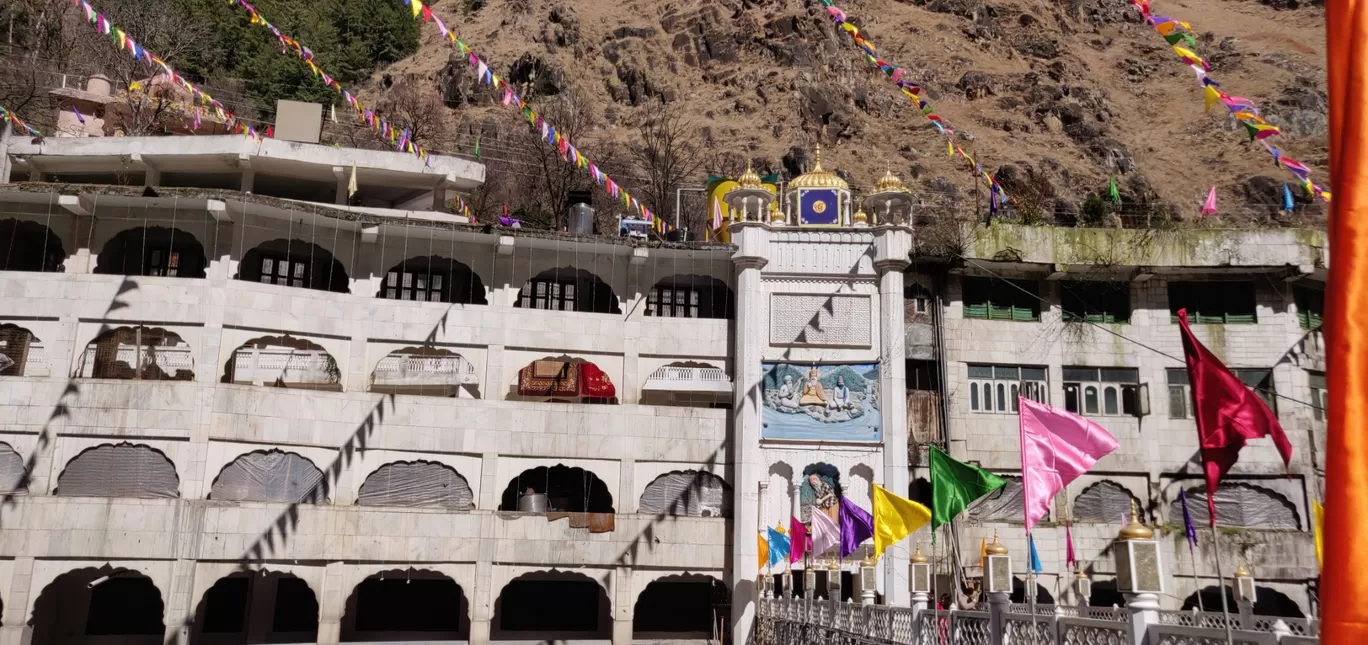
(935, 597)
(1201, 604)
(1225, 603)
(1030, 584)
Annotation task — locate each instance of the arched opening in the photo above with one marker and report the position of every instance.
(137, 354)
(20, 352)
(1267, 602)
(919, 491)
(270, 476)
(681, 607)
(294, 263)
(1239, 505)
(1104, 502)
(1019, 593)
(417, 484)
(122, 603)
(552, 606)
(426, 371)
(1105, 594)
(1002, 505)
(252, 607)
(30, 246)
(119, 470)
(414, 605)
(154, 251)
(568, 289)
(687, 493)
(12, 478)
(688, 384)
(283, 361)
(820, 492)
(433, 279)
(564, 379)
(690, 296)
(559, 488)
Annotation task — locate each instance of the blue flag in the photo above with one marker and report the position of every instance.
(1287, 198)
(1187, 517)
(1035, 557)
(778, 547)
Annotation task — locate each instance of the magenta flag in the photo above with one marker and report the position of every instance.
(825, 533)
(1209, 206)
(1056, 447)
(798, 540)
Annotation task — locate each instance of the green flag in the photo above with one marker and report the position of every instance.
(955, 485)
(1115, 194)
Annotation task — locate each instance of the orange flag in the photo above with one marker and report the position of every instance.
(1344, 587)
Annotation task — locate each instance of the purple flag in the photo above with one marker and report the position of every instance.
(1187, 520)
(857, 525)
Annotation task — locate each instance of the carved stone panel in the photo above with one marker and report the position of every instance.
(839, 320)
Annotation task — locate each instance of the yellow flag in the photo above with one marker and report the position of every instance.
(1212, 96)
(1319, 512)
(763, 550)
(983, 552)
(895, 518)
(417, 8)
(351, 184)
(950, 148)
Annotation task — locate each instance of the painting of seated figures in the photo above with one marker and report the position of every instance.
(821, 402)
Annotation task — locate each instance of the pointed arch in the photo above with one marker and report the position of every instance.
(433, 279)
(558, 488)
(137, 353)
(416, 484)
(270, 476)
(1005, 504)
(687, 493)
(225, 607)
(121, 602)
(1104, 501)
(681, 606)
(1240, 504)
(153, 251)
(13, 475)
(294, 263)
(821, 487)
(283, 361)
(568, 289)
(119, 470)
(19, 350)
(550, 605)
(416, 604)
(30, 246)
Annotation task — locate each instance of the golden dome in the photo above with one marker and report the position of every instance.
(748, 179)
(860, 217)
(1135, 529)
(918, 558)
(996, 548)
(1242, 572)
(833, 565)
(1082, 575)
(817, 177)
(776, 215)
(890, 183)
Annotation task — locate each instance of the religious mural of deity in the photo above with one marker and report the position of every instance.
(821, 402)
(820, 492)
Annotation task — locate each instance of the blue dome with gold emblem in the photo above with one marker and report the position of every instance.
(818, 197)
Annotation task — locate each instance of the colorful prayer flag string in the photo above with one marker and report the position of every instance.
(125, 42)
(1242, 109)
(549, 134)
(6, 115)
(910, 89)
(398, 137)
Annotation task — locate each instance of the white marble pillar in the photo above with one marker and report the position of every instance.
(752, 242)
(892, 244)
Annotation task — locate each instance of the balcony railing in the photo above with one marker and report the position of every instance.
(689, 379)
(285, 366)
(169, 359)
(410, 373)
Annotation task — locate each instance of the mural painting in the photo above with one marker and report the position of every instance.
(820, 492)
(821, 402)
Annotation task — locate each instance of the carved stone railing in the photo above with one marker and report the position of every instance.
(1162, 634)
(671, 378)
(284, 365)
(407, 372)
(169, 359)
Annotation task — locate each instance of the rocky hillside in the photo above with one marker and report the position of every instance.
(1054, 97)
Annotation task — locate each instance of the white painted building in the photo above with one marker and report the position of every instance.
(253, 407)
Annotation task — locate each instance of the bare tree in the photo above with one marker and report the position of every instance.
(411, 104)
(668, 154)
(541, 165)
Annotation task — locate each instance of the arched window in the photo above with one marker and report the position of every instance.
(30, 246)
(294, 263)
(565, 379)
(415, 484)
(138, 353)
(119, 470)
(1005, 504)
(1240, 505)
(270, 476)
(690, 493)
(559, 605)
(125, 603)
(18, 348)
(12, 479)
(415, 605)
(433, 279)
(568, 289)
(153, 251)
(1105, 502)
(690, 296)
(425, 371)
(225, 608)
(284, 361)
(681, 607)
(558, 488)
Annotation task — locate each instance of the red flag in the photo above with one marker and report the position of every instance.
(1069, 558)
(1228, 413)
(798, 540)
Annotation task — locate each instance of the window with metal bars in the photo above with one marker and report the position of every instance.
(1230, 302)
(1310, 306)
(1102, 391)
(1001, 299)
(1320, 396)
(423, 286)
(1095, 301)
(284, 270)
(672, 302)
(549, 294)
(994, 388)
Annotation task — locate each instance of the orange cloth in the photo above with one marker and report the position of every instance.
(1344, 586)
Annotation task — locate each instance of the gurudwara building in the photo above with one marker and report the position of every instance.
(241, 403)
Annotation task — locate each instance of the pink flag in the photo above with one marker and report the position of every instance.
(798, 540)
(825, 533)
(717, 214)
(1056, 447)
(1209, 206)
(1069, 558)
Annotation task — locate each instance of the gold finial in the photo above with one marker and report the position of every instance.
(996, 548)
(1082, 575)
(918, 557)
(817, 158)
(1135, 530)
(776, 215)
(749, 179)
(1242, 571)
(860, 217)
(890, 183)
(868, 559)
(818, 177)
(833, 565)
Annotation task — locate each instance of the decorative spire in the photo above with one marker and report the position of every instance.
(817, 158)
(749, 179)
(1135, 530)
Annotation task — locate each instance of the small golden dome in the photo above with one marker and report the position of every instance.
(1082, 575)
(918, 558)
(818, 177)
(996, 548)
(833, 565)
(860, 217)
(1242, 572)
(748, 179)
(776, 215)
(890, 183)
(1135, 529)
